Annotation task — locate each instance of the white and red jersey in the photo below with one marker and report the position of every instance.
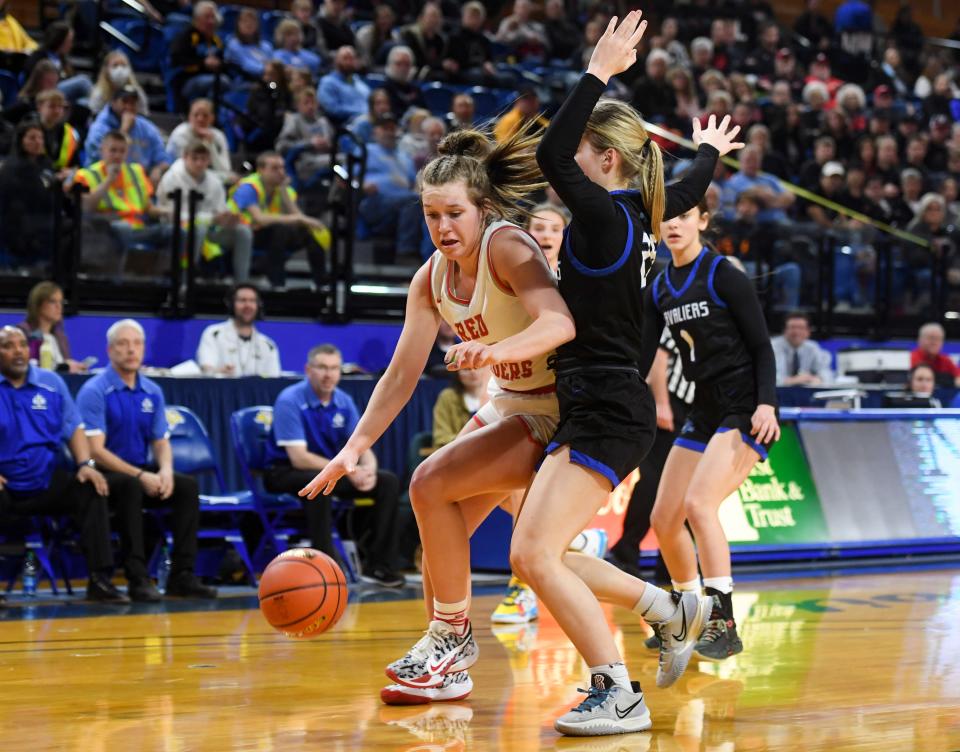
(493, 313)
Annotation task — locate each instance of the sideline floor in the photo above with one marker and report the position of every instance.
(867, 662)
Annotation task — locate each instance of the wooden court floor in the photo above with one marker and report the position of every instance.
(866, 662)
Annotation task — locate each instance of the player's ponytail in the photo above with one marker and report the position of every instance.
(500, 176)
(616, 125)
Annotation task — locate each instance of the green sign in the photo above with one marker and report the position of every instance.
(778, 502)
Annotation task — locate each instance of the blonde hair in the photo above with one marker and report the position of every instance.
(499, 175)
(616, 125)
(285, 26)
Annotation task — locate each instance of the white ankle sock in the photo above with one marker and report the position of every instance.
(720, 584)
(690, 586)
(655, 604)
(616, 671)
(454, 614)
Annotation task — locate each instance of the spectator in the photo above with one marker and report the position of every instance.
(116, 73)
(374, 38)
(200, 127)
(378, 103)
(931, 224)
(911, 190)
(342, 94)
(425, 39)
(458, 403)
(525, 113)
(824, 150)
(311, 133)
(760, 61)
(57, 44)
(701, 58)
(939, 103)
(888, 160)
(468, 58)
(653, 95)
(563, 36)
(43, 326)
(121, 193)
(196, 56)
(852, 102)
(124, 415)
(669, 33)
(830, 187)
(61, 140)
(820, 71)
(27, 201)
(289, 49)
(685, 94)
(423, 146)
(236, 347)
(390, 206)
(299, 79)
(592, 31)
(525, 37)
(145, 145)
(399, 71)
(215, 227)
(775, 198)
(13, 38)
(723, 34)
(865, 156)
(787, 72)
(302, 11)
(246, 52)
(266, 202)
(36, 415)
(800, 360)
(462, 113)
(312, 421)
(334, 23)
(918, 392)
(773, 163)
(269, 102)
(937, 149)
(814, 26)
(43, 77)
(929, 351)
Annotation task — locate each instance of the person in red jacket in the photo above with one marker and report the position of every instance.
(928, 351)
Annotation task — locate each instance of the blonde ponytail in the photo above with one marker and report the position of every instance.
(616, 125)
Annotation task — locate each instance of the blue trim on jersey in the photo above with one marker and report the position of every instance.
(615, 266)
(749, 441)
(656, 294)
(625, 191)
(710, 287)
(689, 280)
(586, 460)
(690, 444)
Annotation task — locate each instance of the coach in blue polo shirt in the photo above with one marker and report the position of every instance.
(312, 421)
(125, 419)
(36, 415)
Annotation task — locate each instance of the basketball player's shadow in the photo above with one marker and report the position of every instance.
(638, 742)
(443, 725)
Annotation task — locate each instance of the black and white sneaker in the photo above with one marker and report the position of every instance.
(439, 652)
(607, 709)
(384, 577)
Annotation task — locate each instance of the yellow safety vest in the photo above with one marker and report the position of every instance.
(273, 206)
(130, 200)
(68, 147)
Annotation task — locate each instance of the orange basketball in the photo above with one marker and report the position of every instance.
(302, 593)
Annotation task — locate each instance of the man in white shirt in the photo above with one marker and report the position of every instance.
(217, 228)
(800, 360)
(235, 347)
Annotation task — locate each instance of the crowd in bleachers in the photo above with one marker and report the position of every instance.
(848, 108)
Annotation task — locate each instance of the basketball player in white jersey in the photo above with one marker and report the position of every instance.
(489, 280)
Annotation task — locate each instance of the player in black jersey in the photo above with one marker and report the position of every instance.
(713, 313)
(606, 170)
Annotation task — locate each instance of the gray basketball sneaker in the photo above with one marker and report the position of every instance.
(439, 652)
(607, 709)
(719, 640)
(679, 634)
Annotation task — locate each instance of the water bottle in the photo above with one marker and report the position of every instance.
(163, 569)
(46, 355)
(30, 575)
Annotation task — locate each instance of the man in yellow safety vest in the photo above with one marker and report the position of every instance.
(267, 203)
(122, 193)
(60, 138)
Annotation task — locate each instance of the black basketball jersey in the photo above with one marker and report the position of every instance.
(605, 303)
(706, 335)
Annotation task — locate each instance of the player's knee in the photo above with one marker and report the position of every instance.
(425, 488)
(529, 560)
(699, 509)
(666, 518)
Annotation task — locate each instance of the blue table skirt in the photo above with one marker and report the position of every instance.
(215, 399)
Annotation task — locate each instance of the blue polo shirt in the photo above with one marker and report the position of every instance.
(299, 417)
(34, 419)
(132, 419)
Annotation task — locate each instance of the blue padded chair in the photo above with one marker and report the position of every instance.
(40, 535)
(438, 97)
(8, 87)
(152, 40)
(193, 455)
(269, 19)
(228, 25)
(487, 102)
(250, 432)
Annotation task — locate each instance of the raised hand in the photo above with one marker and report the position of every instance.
(617, 49)
(720, 137)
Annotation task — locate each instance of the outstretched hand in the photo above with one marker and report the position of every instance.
(616, 51)
(720, 137)
(343, 464)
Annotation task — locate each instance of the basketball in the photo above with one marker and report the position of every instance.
(303, 593)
